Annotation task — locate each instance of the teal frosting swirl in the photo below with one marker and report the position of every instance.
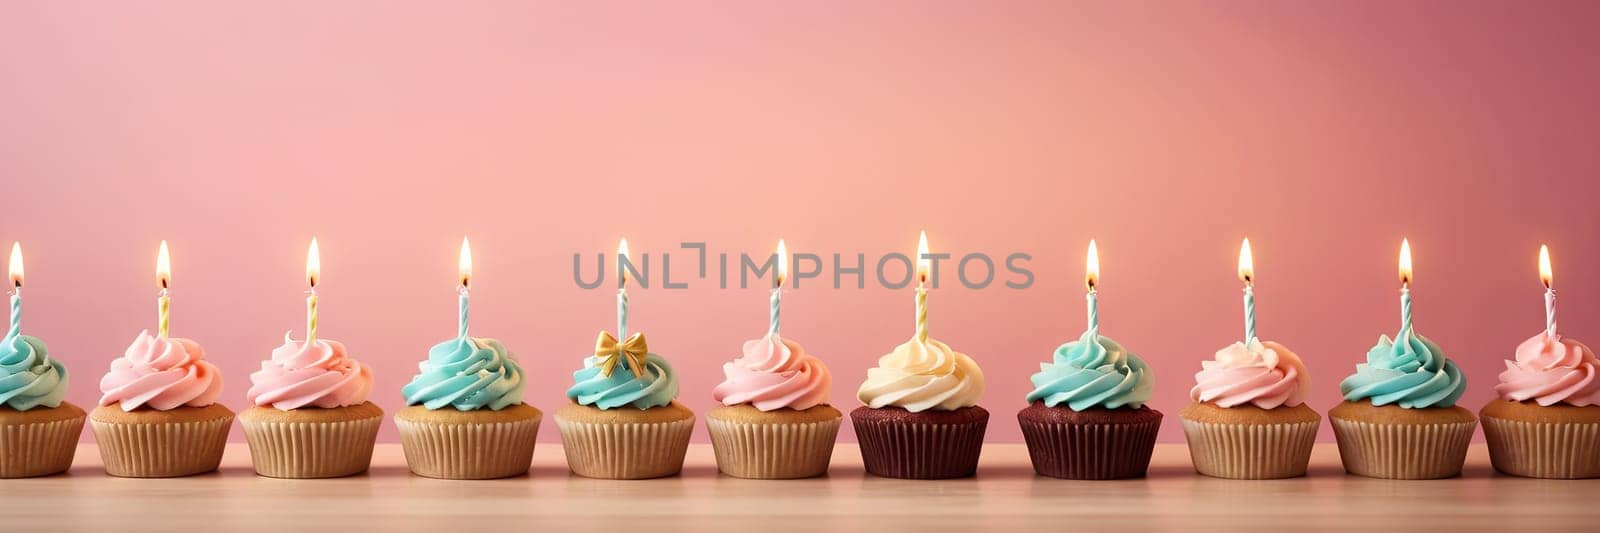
(1413, 373)
(657, 387)
(28, 376)
(1093, 371)
(467, 373)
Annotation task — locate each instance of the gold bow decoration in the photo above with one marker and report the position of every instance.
(611, 352)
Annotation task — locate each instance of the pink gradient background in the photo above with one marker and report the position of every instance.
(1325, 132)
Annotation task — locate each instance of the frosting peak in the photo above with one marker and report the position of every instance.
(29, 378)
(1551, 370)
(314, 374)
(467, 373)
(1263, 373)
(919, 375)
(774, 373)
(654, 386)
(161, 374)
(1093, 371)
(1413, 373)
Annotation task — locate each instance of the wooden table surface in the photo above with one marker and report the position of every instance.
(1005, 496)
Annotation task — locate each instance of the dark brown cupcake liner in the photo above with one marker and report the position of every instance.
(928, 445)
(1093, 445)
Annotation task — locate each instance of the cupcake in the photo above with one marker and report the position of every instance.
(158, 413)
(466, 419)
(1546, 421)
(311, 417)
(774, 421)
(623, 422)
(921, 419)
(1399, 419)
(1249, 419)
(38, 431)
(1087, 418)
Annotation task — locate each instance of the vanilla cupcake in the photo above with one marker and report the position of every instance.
(921, 418)
(1249, 419)
(1399, 419)
(38, 430)
(466, 418)
(623, 422)
(158, 413)
(311, 417)
(1546, 421)
(775, 421)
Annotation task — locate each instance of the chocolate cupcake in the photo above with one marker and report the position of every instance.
(921, 419)
(1087, 419)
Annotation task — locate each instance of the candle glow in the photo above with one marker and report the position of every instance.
(16, 265)
(1405, 262)
(464, 262)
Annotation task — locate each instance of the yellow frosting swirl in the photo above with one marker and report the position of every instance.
(922, 375)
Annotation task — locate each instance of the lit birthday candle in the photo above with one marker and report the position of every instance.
(16, 291)
(775, 315)
(1092, 282)
(313, 274)
(1548, 278)
(1247, 274)
(464, 268)
(164, 301)
(922, 291)
(622, 289)
(1405, 289)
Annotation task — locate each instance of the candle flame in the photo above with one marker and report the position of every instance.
(16, 264)
(1092, 266)
(313, 263)
(1545, 274)
(622, 253)
(1247, 270)
(464, 262)
(1405, 262)
(783, 262)
(924, 263)
(163, 266)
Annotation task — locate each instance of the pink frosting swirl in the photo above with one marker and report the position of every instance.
(1262, 373)
(161, 374)
(1551, 370)
(774, 373)
(316, 374)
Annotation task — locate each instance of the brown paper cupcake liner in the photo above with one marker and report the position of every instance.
(165, 449)
(912, 450)
(626, 450)
(1403, 451)
(1250, 451)
(304, 450)
(469, 450)
(1543, 450)
(773, 450)
(39, 448)
(1090, 451)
